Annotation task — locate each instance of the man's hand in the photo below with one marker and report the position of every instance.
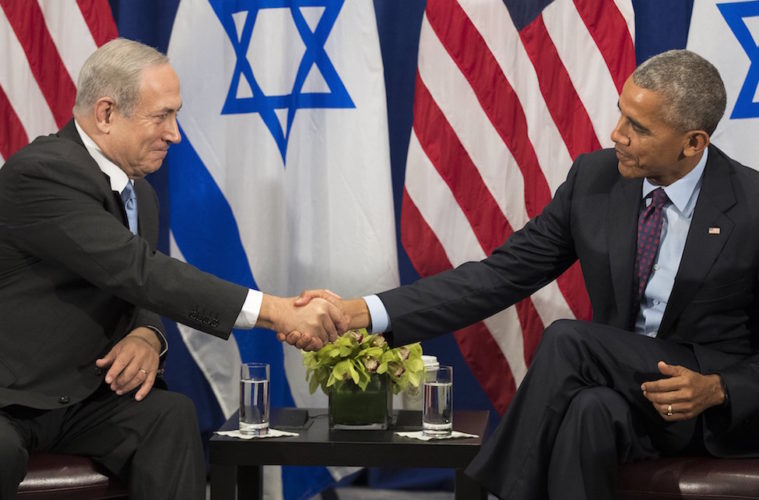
(133, 362)
(308, 327)
(683, 394)
(328, 295)
(355, 309)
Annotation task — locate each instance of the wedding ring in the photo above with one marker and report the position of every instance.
(669, 410)
(146, 372)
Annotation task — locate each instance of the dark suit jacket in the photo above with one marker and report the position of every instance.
(593, 217)
(74, 280)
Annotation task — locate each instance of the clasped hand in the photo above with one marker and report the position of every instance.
(683, 394)
(312, 323)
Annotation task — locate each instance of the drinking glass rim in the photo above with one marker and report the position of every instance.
(255, 364)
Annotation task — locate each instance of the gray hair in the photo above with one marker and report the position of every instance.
(114, 71)
(690, 84)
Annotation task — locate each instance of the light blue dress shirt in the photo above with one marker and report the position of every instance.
(678, 213)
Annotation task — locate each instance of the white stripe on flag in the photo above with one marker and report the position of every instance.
(625, 7)
(19, 85)
(494, 24)
(586, 67)
(460, 106)
(429, 193)
(69, 32)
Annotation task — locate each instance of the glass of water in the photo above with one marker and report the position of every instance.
(254, 398)
(437, 412)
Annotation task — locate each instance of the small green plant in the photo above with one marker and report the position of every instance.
(357, 355)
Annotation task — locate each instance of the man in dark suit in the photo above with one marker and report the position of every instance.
(665, 228)
(82, 288)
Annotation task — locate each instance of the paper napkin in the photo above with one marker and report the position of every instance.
(272, 433)
(420, 435)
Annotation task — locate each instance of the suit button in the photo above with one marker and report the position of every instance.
(63, 400)
(98, 371)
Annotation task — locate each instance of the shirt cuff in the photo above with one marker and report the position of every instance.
(377, 313)
(161, 339)
(250, 308)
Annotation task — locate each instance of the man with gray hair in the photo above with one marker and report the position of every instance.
(82, 287)
(665, 228)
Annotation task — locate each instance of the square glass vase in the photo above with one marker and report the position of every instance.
(350, 408)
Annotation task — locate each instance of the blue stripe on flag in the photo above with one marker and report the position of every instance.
(523, 12)
(205, 230)
(206, 233)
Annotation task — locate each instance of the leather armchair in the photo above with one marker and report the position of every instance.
(68, 477)
(689, 478)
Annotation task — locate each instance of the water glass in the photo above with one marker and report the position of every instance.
(437, 412)
(254, 398)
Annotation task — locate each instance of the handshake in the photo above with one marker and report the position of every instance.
(313, 319)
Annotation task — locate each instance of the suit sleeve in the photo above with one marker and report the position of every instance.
(531, 258)
(56, 213)
(742, 384)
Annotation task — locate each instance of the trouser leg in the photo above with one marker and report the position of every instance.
(154, 444)
(596, 434)
(14, 458)
(573, 356)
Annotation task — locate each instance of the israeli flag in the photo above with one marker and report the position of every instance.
(282, 179)
(727, 34)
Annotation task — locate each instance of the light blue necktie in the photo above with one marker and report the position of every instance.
(130, 204)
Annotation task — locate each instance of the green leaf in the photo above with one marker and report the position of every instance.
(347, 358)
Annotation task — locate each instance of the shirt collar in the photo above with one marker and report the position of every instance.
(681, 191)
(117, 177)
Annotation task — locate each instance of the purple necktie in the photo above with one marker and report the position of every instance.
(649, 234)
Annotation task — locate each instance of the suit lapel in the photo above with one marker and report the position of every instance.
(117, 207)
(701, 246)
(624, 206)
(147, 219)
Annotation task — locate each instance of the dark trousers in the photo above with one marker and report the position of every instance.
(579, 412)
(153, 445)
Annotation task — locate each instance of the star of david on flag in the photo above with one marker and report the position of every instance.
(727, 34)
(315, 84)
(736, 15)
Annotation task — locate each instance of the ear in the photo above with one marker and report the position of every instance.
(104, 110)
(696, 142)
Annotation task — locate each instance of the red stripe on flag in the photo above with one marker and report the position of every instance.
(564, 105)
(498, 99)
(532, 328)
(28, 23)
(478, 347)
(99, 18)
(442, 146)
(572, 287)
(488, 364)
(12, 134)
(609, 30)
(574, 124)
(422, 246)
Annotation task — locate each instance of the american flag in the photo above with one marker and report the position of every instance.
(43, 44)
(507, 94)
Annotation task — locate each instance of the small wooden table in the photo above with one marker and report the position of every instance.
(237, 464)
